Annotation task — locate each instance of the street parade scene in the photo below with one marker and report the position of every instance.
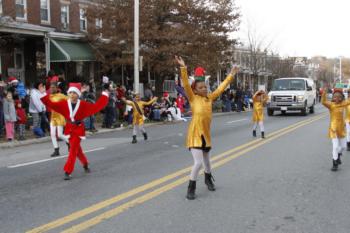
(174, 116)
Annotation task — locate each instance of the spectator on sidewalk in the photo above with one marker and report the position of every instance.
(180, 102)
(37, 108)
(21, 119)
(2, 96)
(109, 116)
(88, 96)
(10, 116)
(120, 92)
(239, 99)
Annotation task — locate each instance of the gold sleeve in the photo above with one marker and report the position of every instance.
(221, 88)
(186, 84)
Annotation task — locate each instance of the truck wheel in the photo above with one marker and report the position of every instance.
(270, 112)
(312, 109)
(304, 110)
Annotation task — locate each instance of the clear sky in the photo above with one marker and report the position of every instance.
(299, 27)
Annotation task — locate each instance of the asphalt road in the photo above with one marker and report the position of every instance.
(280, 184)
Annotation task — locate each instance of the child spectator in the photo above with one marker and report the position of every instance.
(21, 119)
(10, 116)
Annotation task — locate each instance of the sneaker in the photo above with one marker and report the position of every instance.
(67, 176)
(87, 169)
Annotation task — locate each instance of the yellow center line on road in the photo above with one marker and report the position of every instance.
(148, 196)
(98, 206)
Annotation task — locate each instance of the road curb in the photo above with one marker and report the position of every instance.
(13, 144)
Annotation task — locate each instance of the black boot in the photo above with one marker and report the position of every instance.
(263, 134)
(348, 146)
(335, 165)
(254, 133)
(86, 168)
(56, 152)
(339, 160)
(191, 190)
(134, 139)
(208, 180)
(67, 176)
(145, 136)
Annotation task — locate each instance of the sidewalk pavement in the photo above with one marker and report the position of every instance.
(17, 143)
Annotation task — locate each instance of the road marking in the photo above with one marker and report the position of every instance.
(103, 204)
(230, 122)
(148, 196)
(50, 159)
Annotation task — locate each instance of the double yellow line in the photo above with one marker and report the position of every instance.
(218, 161)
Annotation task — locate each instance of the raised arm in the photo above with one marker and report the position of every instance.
(56, 106)
(128, 102)
(324, 100)
(151, 101)
(184, 79)
(224, 84)
(98, 106)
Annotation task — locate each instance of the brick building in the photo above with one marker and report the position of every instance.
(38, 35)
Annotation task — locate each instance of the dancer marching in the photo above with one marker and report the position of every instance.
(337, 124)
(57, 121)
(75, 111)
(138, 116)
(259, 100)
(347, 121)
(198, 137)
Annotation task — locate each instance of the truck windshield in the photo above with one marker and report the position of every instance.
(289, 84)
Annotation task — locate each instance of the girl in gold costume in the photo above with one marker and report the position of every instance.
(347, 121)
(138, 116)
(198, 136)
(259, 100)
(337, 124)
(57, 121)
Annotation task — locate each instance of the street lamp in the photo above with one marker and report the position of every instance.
(136, 46)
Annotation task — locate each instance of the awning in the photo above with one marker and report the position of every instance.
(70, 50)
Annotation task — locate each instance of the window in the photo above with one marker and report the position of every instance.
(98, 24)
(65, 17)
(82, 20)
(0, 13)
(21, 6)
(45, 10)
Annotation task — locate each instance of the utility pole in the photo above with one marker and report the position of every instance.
(340, 71)
(136, 46)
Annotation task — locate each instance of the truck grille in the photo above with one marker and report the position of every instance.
(284, 99)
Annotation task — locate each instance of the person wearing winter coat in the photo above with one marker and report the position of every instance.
(37, 108)
(21, 119)
(10, 116)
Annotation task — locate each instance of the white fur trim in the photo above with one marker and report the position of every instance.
(74, 89)
(105, 93)
(71, 112)
(82, 137)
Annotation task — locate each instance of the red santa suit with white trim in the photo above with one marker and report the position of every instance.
(74, 129)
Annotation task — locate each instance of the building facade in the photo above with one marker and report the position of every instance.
(39, 35)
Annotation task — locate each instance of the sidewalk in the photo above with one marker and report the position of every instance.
(16, 143)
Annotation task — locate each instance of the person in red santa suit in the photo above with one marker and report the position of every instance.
(75, 111)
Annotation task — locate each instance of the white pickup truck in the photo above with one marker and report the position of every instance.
(292, 94)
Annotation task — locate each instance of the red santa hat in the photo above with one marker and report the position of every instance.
(54, 79)
(75, 87)
(12, 80)
(165, 94)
